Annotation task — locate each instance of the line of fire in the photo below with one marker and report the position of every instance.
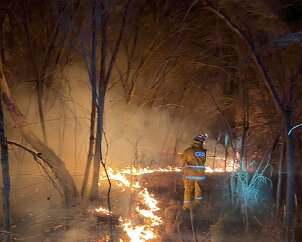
(151, 120)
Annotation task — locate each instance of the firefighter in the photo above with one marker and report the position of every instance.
(193, 160)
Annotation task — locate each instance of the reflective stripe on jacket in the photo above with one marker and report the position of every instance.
(193, 160)
(197, 178)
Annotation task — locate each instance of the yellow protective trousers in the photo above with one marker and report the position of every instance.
(192, 187)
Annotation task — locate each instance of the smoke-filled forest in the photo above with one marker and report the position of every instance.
(158, 120)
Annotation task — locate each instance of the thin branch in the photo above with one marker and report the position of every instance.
(225, 122)
(37, 157)
(118, 42)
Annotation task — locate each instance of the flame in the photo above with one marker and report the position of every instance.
(149, 199)
(117, 176)
(155, 220)
(135, 232)
(138, 233)
(151, 203)
(148, 205)
(142, 171)
(145, 232)
(102, 210)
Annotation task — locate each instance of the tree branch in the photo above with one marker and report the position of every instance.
(37, 157)
(255, 56)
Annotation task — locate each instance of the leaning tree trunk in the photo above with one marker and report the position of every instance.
(6, 180)
(55, 164)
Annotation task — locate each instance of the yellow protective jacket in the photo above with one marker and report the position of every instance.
(194, 159)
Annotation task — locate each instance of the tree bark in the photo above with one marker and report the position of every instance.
(98, 157)
(290, 183)
(215, 151)
(6, 180)
(100, 105)
(299, 192)
(226, 145)
(37, 77)
(56, 165)
(104, 77)
(90, 149)
(245, 118)
(92, 77)
(279, 182)
(4, 157)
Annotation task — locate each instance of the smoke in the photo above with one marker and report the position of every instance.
(145, 135)
(131, 133)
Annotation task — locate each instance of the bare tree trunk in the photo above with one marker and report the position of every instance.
(98, 148)
(245, 117)
(226, 157)
(279, 183)
(5, 180)
(104, 77)
(215, 151)
(290, 183)
(93, 99)
(299, 195)
(4, 158)
(100, 105)
(56, 165)
(38, 80)
(2, 56)
(90, 149)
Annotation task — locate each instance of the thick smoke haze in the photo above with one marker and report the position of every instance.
(130, 131)
(132, 134)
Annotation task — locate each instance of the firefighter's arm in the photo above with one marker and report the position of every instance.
(184, 158)
(205, 156)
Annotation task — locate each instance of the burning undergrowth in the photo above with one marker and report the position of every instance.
(142, 219)
(146, 205)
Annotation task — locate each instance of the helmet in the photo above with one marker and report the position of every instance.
(201, 137)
